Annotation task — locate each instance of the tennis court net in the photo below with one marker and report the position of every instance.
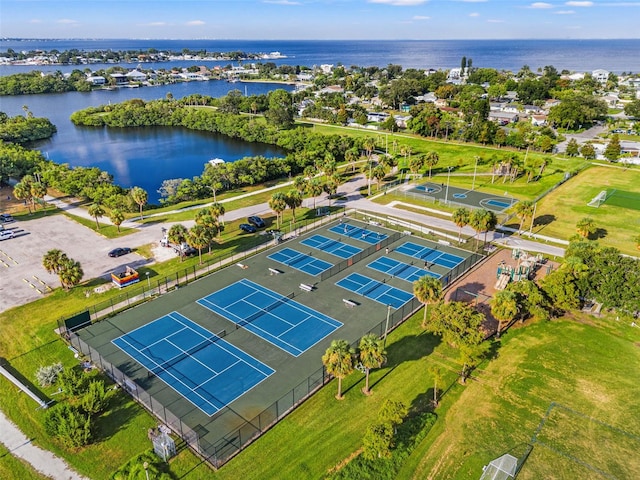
(398, 269)
(297, 259)
(187, 353)
(265, 310)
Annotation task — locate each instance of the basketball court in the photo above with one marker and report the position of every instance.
(473, 198)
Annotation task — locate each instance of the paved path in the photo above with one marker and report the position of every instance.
(43, 461)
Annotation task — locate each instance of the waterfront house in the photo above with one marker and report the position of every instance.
(600, 75)
(538, 120)
(96, 80)
(119, 78)
(136, 76)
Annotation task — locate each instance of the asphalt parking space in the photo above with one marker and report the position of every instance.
(21, 270)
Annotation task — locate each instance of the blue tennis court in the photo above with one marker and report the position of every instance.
(375, 290)
(329, 245)
(405, 271)
(498, 203)
(278, 319)
(300, 261)
(430, 255)
(205, 369)
(358, 233)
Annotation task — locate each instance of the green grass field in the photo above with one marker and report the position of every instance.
(617, 219)
(623, 199)
(589, 365)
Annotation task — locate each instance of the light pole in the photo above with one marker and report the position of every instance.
(370, 165)
(146, 472)
(386, 327)
(148, 280)
(473, 185)
(446, 195)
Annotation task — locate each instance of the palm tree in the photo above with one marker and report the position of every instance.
(217, 211)
(379, 172)
(53, 260)
(351, 156)
(293, 199)
(70, 273)
(96, 211)
(371, 355)
(369, 146)
(199, 237)
(116, 217)
(22, 191)
(314, 188)
(204, 218)
(38, 191)
(482, 221)
(504, 307)
(436, 373)
(338, 360)
(431, 159)
(461, 219)
(177, 235)
(523, 210)
(278, 203)
(300, 184)
(140, 196)
(427, 290)
(330, 187)
(585, 227)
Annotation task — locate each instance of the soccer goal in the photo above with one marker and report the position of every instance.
(598, 199)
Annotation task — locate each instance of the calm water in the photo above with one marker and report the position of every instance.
(574, 55)
(141, 157)
(145, 157)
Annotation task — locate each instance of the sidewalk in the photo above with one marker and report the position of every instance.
(43, 461)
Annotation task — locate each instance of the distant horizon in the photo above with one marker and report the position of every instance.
(241, 39)
(279, 20)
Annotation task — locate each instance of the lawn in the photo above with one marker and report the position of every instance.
(559, 212)
(589, 365)
(13, 467)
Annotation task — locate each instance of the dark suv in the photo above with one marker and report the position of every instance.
(256, 222)
(5, 218)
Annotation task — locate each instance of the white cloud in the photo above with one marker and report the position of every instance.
(579, 4)
(154, 24)
(474, 14)
(565, 12)
(400, 3)
(421, 17)
(538, 5)
(195, 23)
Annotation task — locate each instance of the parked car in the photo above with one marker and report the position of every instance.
(256, 221)
(4, 234)
(245, 227)
(6, 218)
(118, 252)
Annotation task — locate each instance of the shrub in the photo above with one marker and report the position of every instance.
(95, 399)
(69, 424)
(48, 375)
(71, 381)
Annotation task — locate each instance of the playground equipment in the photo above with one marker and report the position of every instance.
(526, 266)
(126, 278)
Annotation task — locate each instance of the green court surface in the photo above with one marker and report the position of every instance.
(317, 300)
(450, 195)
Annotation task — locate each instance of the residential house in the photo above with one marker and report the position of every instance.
(600, 75)
(96, 80)
(502, 118)
(538, 120)
(136, 76)
(119, 78)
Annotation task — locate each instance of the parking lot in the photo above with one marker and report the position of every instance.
(22, 276)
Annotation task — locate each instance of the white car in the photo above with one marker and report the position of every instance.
(4, 234)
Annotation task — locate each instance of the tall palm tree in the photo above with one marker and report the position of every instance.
(177, 235)
(369, 146)
(504, 307)
(22, 191)
(38, 191)
(427, 290)
(482, 221)
(293, 199)
(199, 237)
(116, 217)
(379, 172)
(371, 355)
(96, 211)
(314, 188)
(338, 360)
(53, 260)
(431, 159)
(300, 184)
(523, 211)
(217, 211)
(461, 219)
(70, 273)
(140, 196)
(278, 203)
(204, 218)
(351, 156)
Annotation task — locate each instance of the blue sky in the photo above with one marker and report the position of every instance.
(319, 19)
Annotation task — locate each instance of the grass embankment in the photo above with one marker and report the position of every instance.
(559, 212)
(13, 467)
(589, 365)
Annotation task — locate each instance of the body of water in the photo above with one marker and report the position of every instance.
(574, 55)
(147, 156)
(142, 157)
